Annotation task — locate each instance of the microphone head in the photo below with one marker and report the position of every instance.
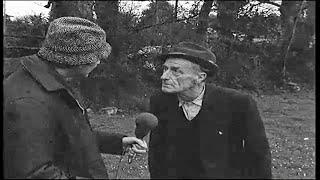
(144, 123)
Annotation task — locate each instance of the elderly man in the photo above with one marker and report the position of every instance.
(204, 131)
(46, 130)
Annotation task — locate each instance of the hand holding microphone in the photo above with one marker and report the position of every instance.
(145, 122)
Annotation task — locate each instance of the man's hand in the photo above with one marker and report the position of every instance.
(136, 145)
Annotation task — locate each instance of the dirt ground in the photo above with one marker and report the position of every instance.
(290, 126)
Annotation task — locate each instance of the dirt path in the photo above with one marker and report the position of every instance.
(290, 126)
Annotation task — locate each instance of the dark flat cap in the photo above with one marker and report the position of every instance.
(193, 53)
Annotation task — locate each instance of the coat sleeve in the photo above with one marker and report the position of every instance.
(257, 145)
(110, 143)
(82, 142)
(156, 153)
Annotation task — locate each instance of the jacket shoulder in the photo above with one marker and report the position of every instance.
(228, 98)
(224, 92)
(11, 65)
(21, 84)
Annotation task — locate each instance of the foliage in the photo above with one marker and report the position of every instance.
(28, 26)
(246, 42)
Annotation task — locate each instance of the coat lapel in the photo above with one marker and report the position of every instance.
(213, 107)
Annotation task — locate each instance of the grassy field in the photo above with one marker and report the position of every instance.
(290, 126)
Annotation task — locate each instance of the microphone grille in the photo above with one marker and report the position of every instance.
(147, 120)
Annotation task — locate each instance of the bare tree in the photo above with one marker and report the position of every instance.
(203, 17)
(157, 12)
(108, 17)
(290, 17)
(227, 13)
(176, 10)
(83, 9)
(4, 20)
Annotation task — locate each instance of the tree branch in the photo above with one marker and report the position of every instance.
(165, 22)
(254, 5)
(249, 10)
(269, 2)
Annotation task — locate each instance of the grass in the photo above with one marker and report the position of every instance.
(289, 121)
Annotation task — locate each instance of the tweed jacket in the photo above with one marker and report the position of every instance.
(46, 130)
(233, 142)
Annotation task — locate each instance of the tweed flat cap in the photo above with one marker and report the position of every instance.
(194, 53)
(74, 41)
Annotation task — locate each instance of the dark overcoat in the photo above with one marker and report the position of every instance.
(46, 131)
(232, 138)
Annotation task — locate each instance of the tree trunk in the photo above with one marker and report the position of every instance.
(227, 12)
(83, 9)
(176, 11)
(107, 17)
(157, 12)
(203, 19)
(4, 22)
(4, 17)
(290, 30)
(288, 10)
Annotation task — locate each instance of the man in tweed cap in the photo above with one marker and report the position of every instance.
(46, 129)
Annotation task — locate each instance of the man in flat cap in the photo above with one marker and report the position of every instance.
(46, 130)
(204, 131)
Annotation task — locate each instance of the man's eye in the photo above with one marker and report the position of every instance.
(174, 69)
(164, 69)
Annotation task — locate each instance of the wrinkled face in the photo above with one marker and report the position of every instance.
(179, 75)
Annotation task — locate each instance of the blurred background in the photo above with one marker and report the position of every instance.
(261, 46)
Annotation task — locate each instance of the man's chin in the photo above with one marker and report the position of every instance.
(166, 90)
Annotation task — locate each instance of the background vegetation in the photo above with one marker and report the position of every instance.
(257, 49)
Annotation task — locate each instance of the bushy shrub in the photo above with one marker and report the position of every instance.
(25, 34)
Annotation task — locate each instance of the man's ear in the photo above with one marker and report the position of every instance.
(202, 76)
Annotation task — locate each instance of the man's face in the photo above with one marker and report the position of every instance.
(84, 70)
(77, 72)
(178, 75)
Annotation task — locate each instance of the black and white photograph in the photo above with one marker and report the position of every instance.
(155, 89)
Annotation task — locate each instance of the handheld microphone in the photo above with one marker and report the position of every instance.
(145, 122)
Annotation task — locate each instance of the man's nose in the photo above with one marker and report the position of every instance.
(164, 75)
